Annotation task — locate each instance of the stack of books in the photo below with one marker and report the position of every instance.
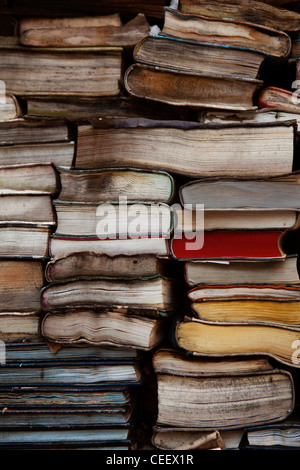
(67, 398)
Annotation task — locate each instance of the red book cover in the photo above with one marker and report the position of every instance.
(238, 244)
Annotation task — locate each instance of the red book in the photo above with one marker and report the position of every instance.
(238, 244)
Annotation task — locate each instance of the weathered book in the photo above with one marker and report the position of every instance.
(70, 8)
(295, 52)
(252, 293)
(180, 54)
(29, 179)
(87, 265)
(280, 193)
(281, 436)
(86, 31)
(28, 210)
(227, 397)
(65, 439)
(279, 342)
(10, 107)
(61, 71)
(186, 88)
(18, 326)
(106, 329)
(273, 97)
(269, 41)
(230, 245)
(20, 283)
(245, 10)
(25, 241)
(252, 150)
(190, 221)
(281, 310)
(273, 272)
(155, 294)
(109, 184)
(28, 141)
(62, 246)
(112, 221)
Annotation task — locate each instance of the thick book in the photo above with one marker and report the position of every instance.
(178, 54)
(269, 41)
(154, 294)
(18, 326)
(112, 221)
(274, 97)
(181, 147)
(180, 87)
(29, 179)
(36, 141)
(87, 31)
(28, 210)
(109, 184)
(25, 241)
(279, 342)
(21, 281)
(84, 265)
(257, 12)
(266, 310)
(216, 395)
(230, 245)
(62, 246)
(61, 71)
(273, 272)
(281, 193)
(107, 329)
(249, 292)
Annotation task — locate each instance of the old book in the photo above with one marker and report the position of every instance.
(32, 210)
(284, 436)
(21, 281)
(252, 293)
(273, 97)
(121, 106)
(107, 329)
(84, 265)
(258, 394)
(163, 51)
(155, 294)
(112, 221)
(62, 246)
(133, 184)
(245, 195)
(279, 342)
(24, 241)
(187, 88)
(18, 326)
(120, 143)
(274, 272)
(10, 107)
(61, 71)
(230, 244)
(29, 179)
(36, 141)
(229, 32)
(281, 310)
(244, 10)
(87, 31)
(189, 221)
(295, 52)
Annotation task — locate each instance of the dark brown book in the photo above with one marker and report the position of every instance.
(180, 87)
(183, 55)
(245, 10)
(229, 32)
(93, 31)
